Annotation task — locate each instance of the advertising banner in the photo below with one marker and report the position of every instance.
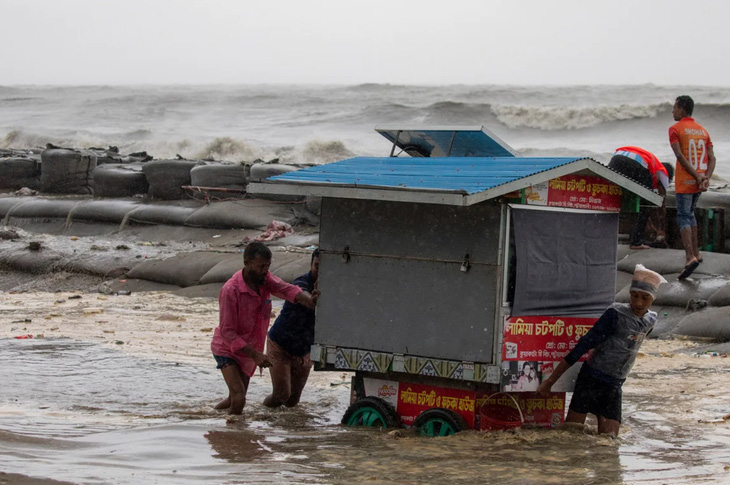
(413, 399)
(536, 410)
(576, 192)
(542, 339)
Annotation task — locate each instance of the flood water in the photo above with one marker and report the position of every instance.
(83, 413)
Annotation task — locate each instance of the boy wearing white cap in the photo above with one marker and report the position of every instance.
(615, 340)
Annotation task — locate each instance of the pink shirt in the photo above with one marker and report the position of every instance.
(244, 317)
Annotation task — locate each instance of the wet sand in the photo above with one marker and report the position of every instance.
(120, 389)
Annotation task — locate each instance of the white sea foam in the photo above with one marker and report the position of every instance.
(570, 118)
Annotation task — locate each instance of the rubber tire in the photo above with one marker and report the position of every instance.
(439, 422)
(371, 411)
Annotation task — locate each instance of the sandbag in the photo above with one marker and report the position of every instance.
(292, 270)
(27, 261)
(103, 262)
(280, 259)
(669, 261)
(222, 272)
(43, 209)
(219, 174)
(7, 203)
(211, 290)
(679, 293)
(245, 214)
(314, 205)
(120, 180)
(66, 171)
(166, 177)
(623, 280)
(668, 317)
(721, 297)
(261, 171)
(106, 156)
(161, 214)
(183, 270)
(102, 210)
(712, 322)
(19, 172)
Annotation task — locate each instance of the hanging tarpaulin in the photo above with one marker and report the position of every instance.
(565, 261)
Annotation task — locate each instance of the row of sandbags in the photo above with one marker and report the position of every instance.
(66, 171)
(233, 214)
(204, 268)
(698, 306)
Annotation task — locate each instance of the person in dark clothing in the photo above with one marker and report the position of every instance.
(288, 344)
(615, 340)
(644, 168)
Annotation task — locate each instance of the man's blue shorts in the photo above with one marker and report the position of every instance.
(596, 397)
(224, 361)
(686, 204)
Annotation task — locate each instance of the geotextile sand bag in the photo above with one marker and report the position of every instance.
(244, 214)
(120, 180)
(668, 317)
(623, 280)
(43, 209)
(27, 261)
(680, 293)
(211, 290)
(230, 175)
(223, 271)
(102, 210)
(19, 172)
(721, 297)
(669, 261)
(712, 322)
(166, 177)
(183, 270)
(293, 269)
(66, 171)
(7, 203)
(161, 214)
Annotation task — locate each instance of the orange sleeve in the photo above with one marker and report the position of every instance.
(673, 135)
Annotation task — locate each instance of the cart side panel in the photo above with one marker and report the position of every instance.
(401, 288)
(413, 230)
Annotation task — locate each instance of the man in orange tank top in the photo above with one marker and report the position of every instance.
(695, 163)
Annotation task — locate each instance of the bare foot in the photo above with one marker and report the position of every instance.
(224, 404)
(642, 246)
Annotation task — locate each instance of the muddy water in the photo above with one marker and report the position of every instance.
(84, 413)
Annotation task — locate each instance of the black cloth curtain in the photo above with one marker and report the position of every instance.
(566, 262)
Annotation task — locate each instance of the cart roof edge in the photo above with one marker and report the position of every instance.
(460, 181)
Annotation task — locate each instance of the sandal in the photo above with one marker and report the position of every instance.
(687, 271)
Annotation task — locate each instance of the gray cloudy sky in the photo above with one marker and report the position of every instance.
(668, 42)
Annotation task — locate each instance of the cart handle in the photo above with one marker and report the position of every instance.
(522, 417)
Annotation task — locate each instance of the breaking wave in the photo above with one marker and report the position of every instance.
(571, 118)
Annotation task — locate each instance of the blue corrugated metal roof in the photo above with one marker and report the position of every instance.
(468, 175)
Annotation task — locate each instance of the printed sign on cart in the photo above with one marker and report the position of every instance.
(383, 389)
(543, 339)
(576, 192)
(413, 399)
(548, 411)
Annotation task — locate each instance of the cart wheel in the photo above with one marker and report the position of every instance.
(371, 411)
(439, 422)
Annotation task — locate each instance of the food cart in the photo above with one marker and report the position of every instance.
(452, 285)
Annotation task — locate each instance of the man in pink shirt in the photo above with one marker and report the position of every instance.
(245, 309)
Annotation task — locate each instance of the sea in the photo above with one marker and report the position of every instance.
(317, 124)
